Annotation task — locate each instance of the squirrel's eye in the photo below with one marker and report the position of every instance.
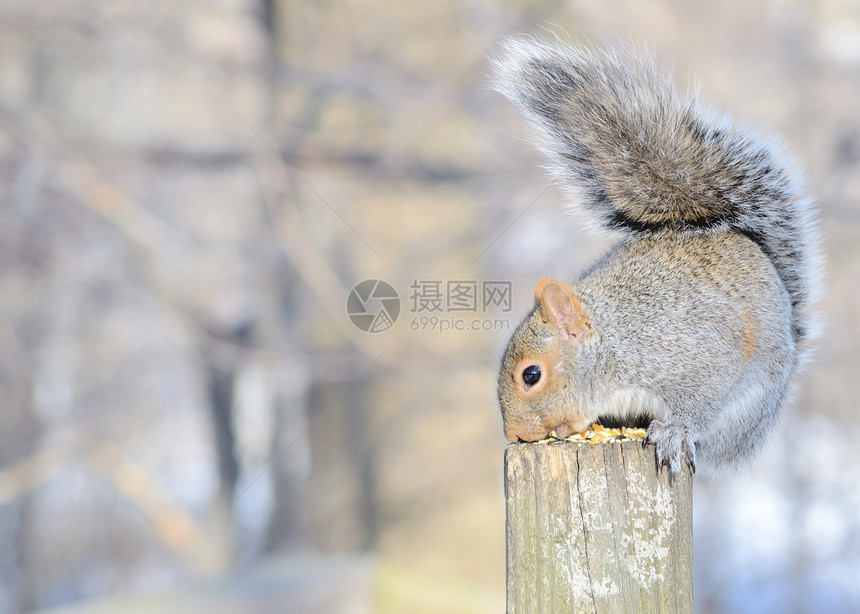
(531, 375)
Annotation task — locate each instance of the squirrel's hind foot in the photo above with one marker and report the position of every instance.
(674, 445)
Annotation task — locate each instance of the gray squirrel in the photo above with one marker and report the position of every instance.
(700, 315)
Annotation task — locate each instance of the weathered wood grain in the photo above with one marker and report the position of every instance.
(596, 528)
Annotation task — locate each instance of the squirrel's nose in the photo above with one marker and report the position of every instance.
(529, 427)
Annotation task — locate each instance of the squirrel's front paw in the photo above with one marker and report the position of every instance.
(674, 443)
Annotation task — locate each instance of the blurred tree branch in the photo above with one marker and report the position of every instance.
(27, 475)
(281, 197)
(172, 524)
(145, 233)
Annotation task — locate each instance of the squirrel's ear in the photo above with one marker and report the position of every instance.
(540, 286)
(560, 307)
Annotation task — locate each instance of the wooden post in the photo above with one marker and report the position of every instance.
(596, 528)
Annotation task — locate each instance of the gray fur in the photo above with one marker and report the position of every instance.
(643, 156)
(701, 314)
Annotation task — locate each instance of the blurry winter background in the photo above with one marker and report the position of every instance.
(188, 190)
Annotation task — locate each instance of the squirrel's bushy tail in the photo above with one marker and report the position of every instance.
(644, 157)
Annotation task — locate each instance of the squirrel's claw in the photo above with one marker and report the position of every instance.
(674, 444)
